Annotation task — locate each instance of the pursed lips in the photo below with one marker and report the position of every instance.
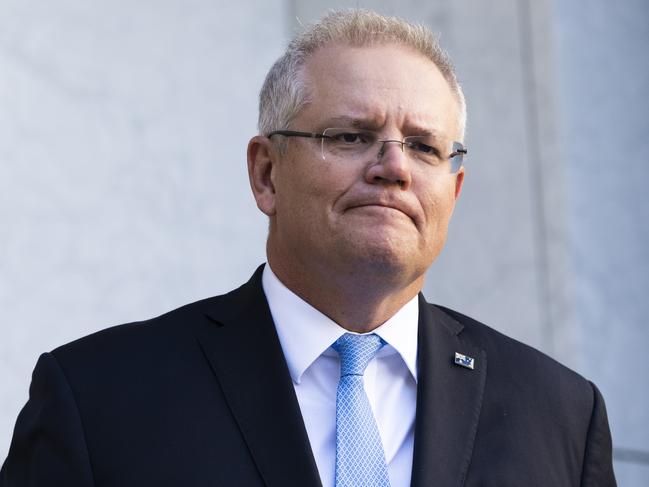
(393, 205)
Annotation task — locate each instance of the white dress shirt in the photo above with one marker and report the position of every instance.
(306, 336)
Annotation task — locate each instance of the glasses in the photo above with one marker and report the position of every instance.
(345, 144)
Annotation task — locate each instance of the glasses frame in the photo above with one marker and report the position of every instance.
(458, 147)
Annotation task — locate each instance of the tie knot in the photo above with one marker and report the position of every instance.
(356, 351)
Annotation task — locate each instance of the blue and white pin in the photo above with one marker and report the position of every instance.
(464, 361)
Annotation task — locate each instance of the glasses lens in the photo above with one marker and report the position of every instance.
(457, 157)
(346, 143)
(426, 148)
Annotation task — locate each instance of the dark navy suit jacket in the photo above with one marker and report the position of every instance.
(202, 396)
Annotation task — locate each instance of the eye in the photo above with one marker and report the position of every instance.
(351, 138)
(423, 148)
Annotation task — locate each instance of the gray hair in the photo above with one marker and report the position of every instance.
(284, 93)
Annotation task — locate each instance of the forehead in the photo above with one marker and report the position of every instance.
(380, 84)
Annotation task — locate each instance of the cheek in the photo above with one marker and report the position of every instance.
(300, 199)
(438, 201)
(316, 187)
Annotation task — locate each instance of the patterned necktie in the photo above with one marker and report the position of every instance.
(360, 460)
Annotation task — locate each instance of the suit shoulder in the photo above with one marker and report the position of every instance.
(517, 361)
(139, 337)
(493, 340)
(162, 339)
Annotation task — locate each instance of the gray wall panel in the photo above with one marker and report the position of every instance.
(604, 82)
(123, 185)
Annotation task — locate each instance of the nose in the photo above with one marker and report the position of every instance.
(392, 166)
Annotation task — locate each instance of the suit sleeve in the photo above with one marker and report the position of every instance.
(48, 447)
(598, 457)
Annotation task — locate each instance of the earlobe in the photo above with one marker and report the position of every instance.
(261, 164)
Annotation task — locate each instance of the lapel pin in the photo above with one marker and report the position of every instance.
(464, 361)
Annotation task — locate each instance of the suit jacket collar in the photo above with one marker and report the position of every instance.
(449, 400)
(242, 347)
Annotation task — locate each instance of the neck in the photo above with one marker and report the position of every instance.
(356, 300)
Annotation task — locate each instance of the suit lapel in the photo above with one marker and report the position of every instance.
(449, 400)
(242, 347)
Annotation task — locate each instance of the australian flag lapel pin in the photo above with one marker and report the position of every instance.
(464, 361)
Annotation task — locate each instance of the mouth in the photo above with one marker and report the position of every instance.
(377, 206)
(384, 208)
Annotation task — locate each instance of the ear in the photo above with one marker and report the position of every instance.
(459, 181)
(262, 157)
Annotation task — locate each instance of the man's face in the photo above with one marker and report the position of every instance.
(385, 213)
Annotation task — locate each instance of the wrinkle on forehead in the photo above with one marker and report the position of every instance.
(377, 94)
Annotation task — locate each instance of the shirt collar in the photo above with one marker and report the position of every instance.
(305, 333)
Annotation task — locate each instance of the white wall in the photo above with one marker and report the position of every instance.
(123, 185)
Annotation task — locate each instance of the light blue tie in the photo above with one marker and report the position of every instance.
(360, 460)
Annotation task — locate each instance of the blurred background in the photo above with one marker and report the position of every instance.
(124, 193)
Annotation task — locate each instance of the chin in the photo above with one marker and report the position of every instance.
(383, 255)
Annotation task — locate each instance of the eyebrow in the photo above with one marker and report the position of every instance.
(371, 124)
(345, 121)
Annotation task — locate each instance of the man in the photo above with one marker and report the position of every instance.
(328, 367)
